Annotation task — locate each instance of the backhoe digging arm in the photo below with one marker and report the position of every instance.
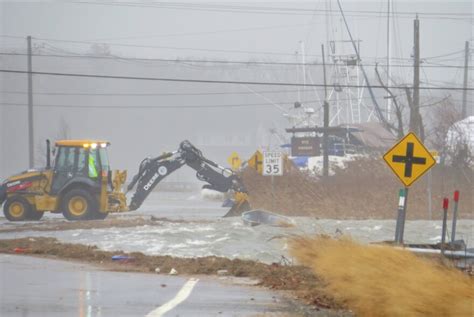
(154, 170)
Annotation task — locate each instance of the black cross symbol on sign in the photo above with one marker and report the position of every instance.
(409, 159)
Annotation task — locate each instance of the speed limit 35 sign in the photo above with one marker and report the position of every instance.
(272, 163)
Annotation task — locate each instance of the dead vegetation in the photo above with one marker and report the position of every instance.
(383, 281)
(366, 189)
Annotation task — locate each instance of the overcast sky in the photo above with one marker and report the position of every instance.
(229, 30)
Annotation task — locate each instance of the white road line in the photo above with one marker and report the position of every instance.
(183, 293)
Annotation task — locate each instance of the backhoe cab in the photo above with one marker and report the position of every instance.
(79, 185)
(82, 186)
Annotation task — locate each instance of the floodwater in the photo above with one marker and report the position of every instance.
(204, 232)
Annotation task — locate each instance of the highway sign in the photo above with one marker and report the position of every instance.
(272, 163)
(256, 162)
(305, 146)
(409, 159)
(234, 161)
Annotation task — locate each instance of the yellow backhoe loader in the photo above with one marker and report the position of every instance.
(82, 186)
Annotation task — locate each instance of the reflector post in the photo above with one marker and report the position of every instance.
(456, 195)
(445, 203)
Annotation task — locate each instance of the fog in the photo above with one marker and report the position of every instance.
(147, 117)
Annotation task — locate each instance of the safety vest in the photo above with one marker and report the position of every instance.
(92, 169)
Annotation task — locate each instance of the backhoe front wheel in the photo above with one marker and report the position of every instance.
(17, 208)
(79, 204)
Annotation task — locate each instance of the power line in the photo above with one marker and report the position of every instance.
(166, 94)
(170, 47)
(156, 94)
(245, 105)
(210, 50)
(207, 61)
(192, 48)
(444, 55)
(274, 10)
(206, 81)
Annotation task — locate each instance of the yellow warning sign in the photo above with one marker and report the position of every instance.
(234, 161)
(256, 162)
(409, 159)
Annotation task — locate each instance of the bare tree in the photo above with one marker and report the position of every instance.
(416, 120)
(415, 123)
(448, 136)
(399, 129)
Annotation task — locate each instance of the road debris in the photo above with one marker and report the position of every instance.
(173, 272)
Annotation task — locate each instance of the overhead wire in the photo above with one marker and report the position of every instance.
(272, 10)
(148, 107)
(208, 81)
(151, 94)
(169, 47)
(207, 61)
(213, 50)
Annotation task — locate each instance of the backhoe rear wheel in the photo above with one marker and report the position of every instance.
(79, 204)
(17, 208)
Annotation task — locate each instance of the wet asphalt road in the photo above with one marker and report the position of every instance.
(41, 287)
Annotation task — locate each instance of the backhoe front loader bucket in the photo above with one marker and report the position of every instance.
(241, 205)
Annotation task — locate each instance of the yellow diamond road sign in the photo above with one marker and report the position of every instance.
(409, 159)
(234, 161)
(256, 162)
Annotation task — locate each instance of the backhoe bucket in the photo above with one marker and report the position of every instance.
(241, 205)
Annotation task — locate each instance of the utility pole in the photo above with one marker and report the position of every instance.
(416, 71)
(464, 92)
(30, 107)
(389, 97)
(326, 121)
(416, 124)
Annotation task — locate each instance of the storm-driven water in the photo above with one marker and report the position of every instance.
(201, 231)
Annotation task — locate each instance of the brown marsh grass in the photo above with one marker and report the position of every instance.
(384, 281)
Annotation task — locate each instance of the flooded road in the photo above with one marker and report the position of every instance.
(195, 228)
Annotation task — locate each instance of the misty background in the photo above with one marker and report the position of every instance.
(226, 41)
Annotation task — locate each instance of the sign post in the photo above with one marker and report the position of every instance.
(409, 160)
(455, 215)
(403, 217)
(273, 166)
(401, 206)
(445, 220)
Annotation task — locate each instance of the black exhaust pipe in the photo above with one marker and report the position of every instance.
(3, 194)
(48, 154)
